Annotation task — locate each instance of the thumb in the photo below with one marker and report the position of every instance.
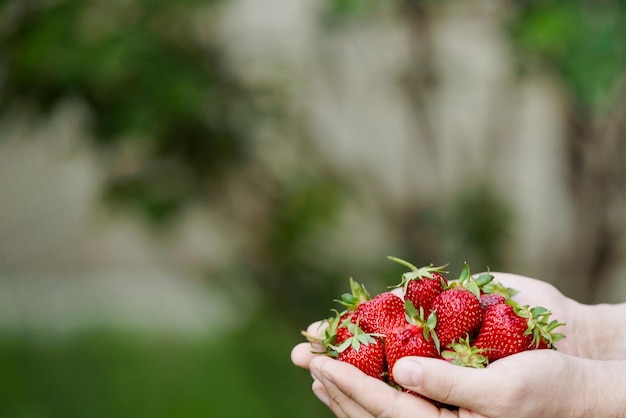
(447, 383)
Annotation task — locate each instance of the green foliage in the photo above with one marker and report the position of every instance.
(581, 40)
(291, 275)
(306, 205)
(472, 226)
(147, 78)
(339, 13)
(342, 9)
(115, 374)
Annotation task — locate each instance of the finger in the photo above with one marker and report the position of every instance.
(316, 329)
(337, 401)
(303, 353)
(466, 413)
(355, 391)
(450, 384)
(318, 389)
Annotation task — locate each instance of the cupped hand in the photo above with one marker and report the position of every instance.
(539, 383)
(534, 383)
(349, 393)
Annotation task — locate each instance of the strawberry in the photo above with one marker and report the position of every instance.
(490, 299)
(421, 285)
(342, 331)
(378, 315)
(458, 313)
(364, 351)
(416, 338)
(382, 314)
(509, 329)
(494, 293)
(458, 308)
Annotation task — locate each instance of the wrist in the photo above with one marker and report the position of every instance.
(605, 394)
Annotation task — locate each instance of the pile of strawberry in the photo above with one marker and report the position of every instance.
(469, 322)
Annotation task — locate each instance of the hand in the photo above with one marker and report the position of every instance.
(534, 383)
(540, 383)
(350, 393)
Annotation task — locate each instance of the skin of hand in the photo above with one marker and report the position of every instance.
(577, 380)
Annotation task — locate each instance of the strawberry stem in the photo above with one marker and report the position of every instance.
(416, 273)
(403, 262)
(358, 294)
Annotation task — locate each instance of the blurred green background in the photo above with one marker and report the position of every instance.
(185, 185)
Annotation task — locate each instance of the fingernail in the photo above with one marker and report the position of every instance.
(407, 372)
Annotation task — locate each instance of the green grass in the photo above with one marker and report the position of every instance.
(116, 374)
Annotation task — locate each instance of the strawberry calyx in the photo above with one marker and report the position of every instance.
(462, 353)
(472, 284)
(498, 288)
(358, 338)
(327, 339)
(416, 317)
(417, 273)
(358, 294)
(539, 325)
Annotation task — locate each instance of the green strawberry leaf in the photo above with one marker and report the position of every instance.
(465, 273)
(483, 279)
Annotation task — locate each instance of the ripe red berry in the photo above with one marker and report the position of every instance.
(364, 351)
(490, 299)
(493, 293)
(409, 340)
(510, 328)
(382, 314)
(503, 333)
(342, 331)
(421, 285)
(458, 314)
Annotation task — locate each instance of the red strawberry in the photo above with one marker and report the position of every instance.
(458, 313)
(458, 308)
(364, 351)
(382, 314)
(342, 332)
(421, 285)
(503, 333)
(509, 329)
(416, 338)
(490, 299)
(378, 315)
(494, 293)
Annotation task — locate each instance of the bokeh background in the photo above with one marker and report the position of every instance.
(186, 184)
